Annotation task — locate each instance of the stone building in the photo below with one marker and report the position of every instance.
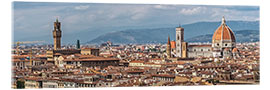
(57, 35)
(179, 40)
(223, 43)
(57, 51)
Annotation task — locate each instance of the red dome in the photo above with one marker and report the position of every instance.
(235, 50)
(224, 33)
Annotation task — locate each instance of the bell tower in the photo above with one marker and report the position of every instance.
(179, 39)
(57, 35)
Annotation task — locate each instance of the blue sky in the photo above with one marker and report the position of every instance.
(34, 19)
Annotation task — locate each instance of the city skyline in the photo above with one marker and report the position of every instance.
(223, 60)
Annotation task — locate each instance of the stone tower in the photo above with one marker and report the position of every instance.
(78, 44)
(57, 35)
(179, 40)
(168, 49)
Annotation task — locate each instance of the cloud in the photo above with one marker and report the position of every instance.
(81, 7)
(163, 7)
(192, 11)
(39, 17)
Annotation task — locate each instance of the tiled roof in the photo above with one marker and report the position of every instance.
(223, 32)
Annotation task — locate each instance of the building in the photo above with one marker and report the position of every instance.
(223, 43)
(57, 51)
(91, 61)
(179, 40)
(90, 51)
(57, 35)
(168, 49)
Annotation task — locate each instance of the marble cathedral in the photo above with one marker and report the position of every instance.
(223, 44)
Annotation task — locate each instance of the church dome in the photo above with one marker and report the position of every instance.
(235, 50)
(223, 33)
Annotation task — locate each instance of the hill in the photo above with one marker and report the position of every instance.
(193, 33)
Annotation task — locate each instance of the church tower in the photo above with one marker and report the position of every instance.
(168, 51)
(57, 35)
(179, 39)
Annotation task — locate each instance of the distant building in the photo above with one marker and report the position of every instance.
(57, 51)
(57, 35)
(223, 43)
(179, 40)
(90, 51)
(168, 49)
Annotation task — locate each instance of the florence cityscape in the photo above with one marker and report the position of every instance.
(160, 50)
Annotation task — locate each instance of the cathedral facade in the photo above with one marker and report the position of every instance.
(223, 44)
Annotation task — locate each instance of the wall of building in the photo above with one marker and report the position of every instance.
(199, 51)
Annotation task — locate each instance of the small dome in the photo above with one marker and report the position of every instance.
(224, 33)
(235, 50)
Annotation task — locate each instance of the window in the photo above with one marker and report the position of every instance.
(217, 44)
(194, 49)
(201, 49)
(226, 44)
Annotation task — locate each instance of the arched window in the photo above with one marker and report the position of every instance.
(201, 49)
(217, 44)
(226, 44)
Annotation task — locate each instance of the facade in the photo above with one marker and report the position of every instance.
(223, 43)
(179, 40)
(199, 51)
(54, 53)
(90, 51)
(57, 35)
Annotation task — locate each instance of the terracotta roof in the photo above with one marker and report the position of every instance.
(163, 75)
(136, 62)
(92, 59)
(89, 48)
(18, 60)
(155, 59)
(235, 50)
(173, 44)
(199, 45)
(223, 32)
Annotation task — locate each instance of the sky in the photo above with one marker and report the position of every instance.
(35, 19)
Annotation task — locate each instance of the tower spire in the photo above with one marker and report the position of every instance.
(56, 19)
(223, 20)
(169, 39)
(168, 49)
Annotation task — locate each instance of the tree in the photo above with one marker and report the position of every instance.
(20, 84)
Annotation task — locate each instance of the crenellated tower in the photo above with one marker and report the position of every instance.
(57, 35)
